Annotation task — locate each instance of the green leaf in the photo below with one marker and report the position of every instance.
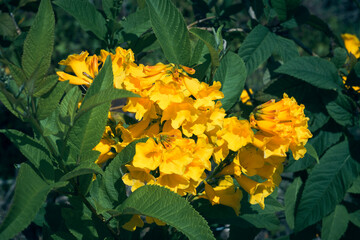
(316, 71)
(102, 97)
(341, 109)
(50, 101)
(262, 220)
(335, 225)
(312, 152)
(137, 23)
(291, 197)
(286, 48)
(45, 85)
(34, 151)
(198, 48)
(232, 75)
(354, 217)
(30, 193)
(112, 177)
(10, 102)
(280, 8)
(169, 207)
(39, 42)
(17, 73)
(171, 31)
(355, 187)
(88, 128)
(257, 47)
(69, 105)
(82, 169)
(7, 26)
(210, 42)
(326, 185)
(111, 8)
(86, 14)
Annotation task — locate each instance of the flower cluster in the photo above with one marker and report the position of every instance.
(192, 147)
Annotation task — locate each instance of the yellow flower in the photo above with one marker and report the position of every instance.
(142, 107)
(137, 177)
(245, 98)
(237, 133)
(356, 88)
(224, 193)
(104, 147)
(180, 113)
(155, 220)
(352, 44)
(282, 122)
(85, 69)
(148, 155)
(134, 222)
(258, 191)
(166, 93)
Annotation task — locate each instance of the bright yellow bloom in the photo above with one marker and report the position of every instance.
(134, 222)
(283, 122)
(245, 98)
(85, 69)
(224, 193)
(137, 177)
(142, 107)
(258, 191)
(352, 44)
(148, 155)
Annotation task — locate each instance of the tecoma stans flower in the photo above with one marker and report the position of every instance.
(352, 44)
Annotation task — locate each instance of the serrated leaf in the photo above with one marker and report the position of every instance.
(30, 193)
(335, 225)
(88, 128)
(33, 150)
(171, 31)
(257, 47)
(354, 217)
(341, 109)
(137, 23)
(86, 14)
(291, 197)
(232, 75)
(82, 169)
(286, 49)
(69, 105)
(38, 45)
(197, 52)
(316, 71)
(45, 85)
(326, 185)
(50, 101)
(209, 41)
(169, 207)
(112, 176)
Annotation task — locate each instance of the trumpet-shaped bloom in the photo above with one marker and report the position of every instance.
(352, 44)
(134, 222)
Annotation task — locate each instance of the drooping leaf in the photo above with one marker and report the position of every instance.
(30, 193)
(112, 177)
(335, 225)
(34, 151)
(210, 43)
(316, 71)
(257, 47)
(170, 30)
(50, 101)
(39, 42)
(326, 185)
(232, 75)
(86, 14)
(169, 207)
(291, 197)
(82, 169)
(341, 109)
(88, 128)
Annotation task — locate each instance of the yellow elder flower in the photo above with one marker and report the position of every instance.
(85, 69)
(134, 222)
(137, 177)
(352, 44)
(148, 155)
(224, 193)
(258, 191)
(104, 147)
(245, 98)
(237, 133)
(285, 120)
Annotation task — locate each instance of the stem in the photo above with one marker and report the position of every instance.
(200, 21)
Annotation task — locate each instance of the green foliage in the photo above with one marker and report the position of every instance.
(290, 205)
(86, 14)
(326, 186)
(161, 203)
(232, 75)
(170, 30)
(30, 193)
(334, 225)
